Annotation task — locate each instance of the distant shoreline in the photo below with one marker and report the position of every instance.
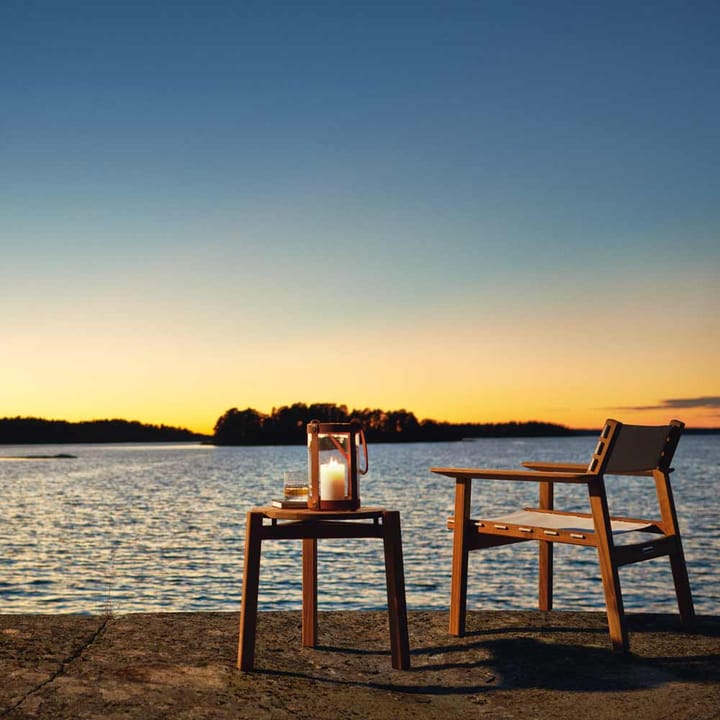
(38, 431)
(207, 440)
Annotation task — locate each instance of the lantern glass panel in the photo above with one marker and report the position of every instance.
(334, 471)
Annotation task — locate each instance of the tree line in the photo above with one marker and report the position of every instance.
(26, 430)
(286, 425)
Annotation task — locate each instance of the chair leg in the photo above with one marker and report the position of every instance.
(309, 592)
(459, 576)
(395, 578)
(251, 580)
(545, 589)
(545, 560)
(613, 601)
(608, 568)
(682, 585)
(677, 556)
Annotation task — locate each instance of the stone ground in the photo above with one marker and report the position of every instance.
(510, 665)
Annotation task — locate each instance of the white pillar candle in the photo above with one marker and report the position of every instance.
(332, 480)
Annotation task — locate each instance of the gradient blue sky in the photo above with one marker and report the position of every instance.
(478, 211)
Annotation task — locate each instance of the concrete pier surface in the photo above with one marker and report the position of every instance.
(520, 665)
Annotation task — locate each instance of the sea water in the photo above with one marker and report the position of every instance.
(141, 528)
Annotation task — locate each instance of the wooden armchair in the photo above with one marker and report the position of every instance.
(621, 450)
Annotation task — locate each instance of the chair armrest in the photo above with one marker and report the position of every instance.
(577, 468)
(556, 467)
(523, 475)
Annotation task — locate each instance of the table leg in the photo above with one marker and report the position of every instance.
(309, 592)
(395, 576)
(251, 579)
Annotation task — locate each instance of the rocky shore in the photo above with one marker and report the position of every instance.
(510, 665)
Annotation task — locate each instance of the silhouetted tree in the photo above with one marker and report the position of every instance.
(286, 424)
(328, 412)
(239, 427)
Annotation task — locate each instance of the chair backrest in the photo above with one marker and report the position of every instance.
(624, 449)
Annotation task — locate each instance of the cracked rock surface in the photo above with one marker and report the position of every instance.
(510, 664)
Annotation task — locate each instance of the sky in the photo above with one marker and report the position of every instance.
(475, 211)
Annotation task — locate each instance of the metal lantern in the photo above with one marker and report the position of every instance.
(333, 466)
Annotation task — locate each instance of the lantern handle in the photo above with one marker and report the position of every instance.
(365, 452)
(340, 448)
(346, 455)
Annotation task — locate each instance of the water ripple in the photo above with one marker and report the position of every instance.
(146, 528)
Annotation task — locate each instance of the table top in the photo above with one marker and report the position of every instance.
(363, 513)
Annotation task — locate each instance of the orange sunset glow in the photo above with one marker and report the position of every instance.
(466, 214)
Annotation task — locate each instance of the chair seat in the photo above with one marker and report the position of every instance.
(561, 521)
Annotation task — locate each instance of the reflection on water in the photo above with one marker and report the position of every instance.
(145, 528)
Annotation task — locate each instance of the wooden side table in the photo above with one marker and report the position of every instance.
(310, 526)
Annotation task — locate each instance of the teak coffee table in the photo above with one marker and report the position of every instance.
(310, 526)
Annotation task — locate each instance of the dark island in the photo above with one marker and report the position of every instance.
(29, 430)
(287, 426)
